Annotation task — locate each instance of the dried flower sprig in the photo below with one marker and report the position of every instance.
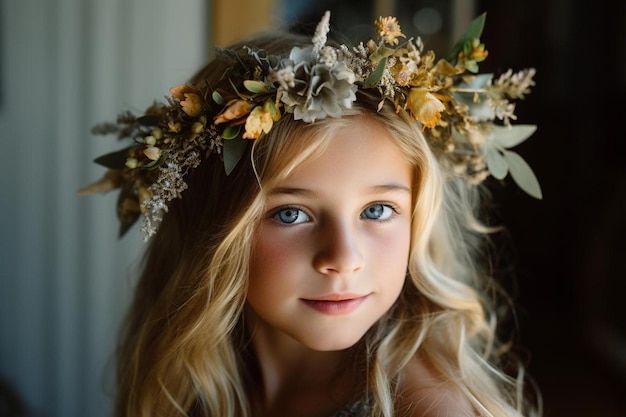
(456, 107)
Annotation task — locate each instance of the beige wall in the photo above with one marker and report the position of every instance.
(234, 19)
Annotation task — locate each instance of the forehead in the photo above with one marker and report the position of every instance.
(360, 152)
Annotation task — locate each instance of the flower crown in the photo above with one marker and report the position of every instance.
(455, 106)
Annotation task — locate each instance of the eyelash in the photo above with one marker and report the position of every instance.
(301, 211)
(394, 209)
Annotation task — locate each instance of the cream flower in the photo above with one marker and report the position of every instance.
(261, 119)
(152, 153)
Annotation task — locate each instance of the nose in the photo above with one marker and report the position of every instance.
(339, 249)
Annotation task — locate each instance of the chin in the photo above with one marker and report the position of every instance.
(330, 343)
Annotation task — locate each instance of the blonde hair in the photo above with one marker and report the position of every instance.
(183, 347)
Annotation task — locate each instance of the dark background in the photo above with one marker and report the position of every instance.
(571, 274)
(568, 254)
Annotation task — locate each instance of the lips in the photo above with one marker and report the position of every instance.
(335, 304)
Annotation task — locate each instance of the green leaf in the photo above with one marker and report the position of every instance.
(510, 136)
(471, 66)
(217, 97)
(114, 160)
(231, 132)
(496, 163)
(474, 30)
(154, 164)
(255, 86)
(376, 75)
(233, 151)
(522, 174)
(382, 52)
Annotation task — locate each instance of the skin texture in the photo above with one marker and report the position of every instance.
(338, 228)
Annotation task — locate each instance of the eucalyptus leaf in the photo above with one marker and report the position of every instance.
(510, 136)
(217, 97)
(496, 163)
(474, 30)
(476, 82)
(522, 174)
(480, 110)
(376, 75)
(233, 151)
(114, 160)
(255, 86)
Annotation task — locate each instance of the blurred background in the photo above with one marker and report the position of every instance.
(65, 278)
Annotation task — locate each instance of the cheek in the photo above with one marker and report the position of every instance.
(272, 263)
(394, 246)
(272, 250)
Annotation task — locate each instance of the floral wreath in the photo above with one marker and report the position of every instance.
(455, 106)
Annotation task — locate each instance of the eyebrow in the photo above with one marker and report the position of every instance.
(382, 188)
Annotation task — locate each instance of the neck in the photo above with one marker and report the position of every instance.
(294, 375)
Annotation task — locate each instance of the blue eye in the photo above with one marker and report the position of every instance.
(291, 215)
(377, 212)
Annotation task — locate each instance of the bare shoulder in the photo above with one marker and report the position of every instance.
(425, 393)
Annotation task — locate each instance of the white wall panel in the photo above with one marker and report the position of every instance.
(65, 278)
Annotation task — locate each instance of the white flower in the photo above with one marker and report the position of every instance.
(320, 90)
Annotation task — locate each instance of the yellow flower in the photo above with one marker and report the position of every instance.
(424, 106)
(235, 110)
(403, 72)
(479, 53)
(388, 29)
(261, 119)
(473, 52)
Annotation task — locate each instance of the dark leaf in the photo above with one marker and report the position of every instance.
(127, 209)
(148, 120)
(114, 160)
(233, 151)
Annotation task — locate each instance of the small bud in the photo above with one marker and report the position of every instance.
(197, 127)
(157, 133)
(132, 163)
(174, 126)
(149, 140)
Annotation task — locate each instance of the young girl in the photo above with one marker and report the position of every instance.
(316, 246)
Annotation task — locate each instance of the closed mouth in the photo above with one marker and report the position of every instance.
(335, 303)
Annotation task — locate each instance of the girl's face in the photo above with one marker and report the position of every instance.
(330, 254)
